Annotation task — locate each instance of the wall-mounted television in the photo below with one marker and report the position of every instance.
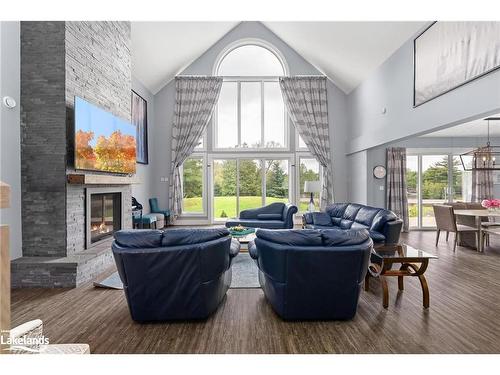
(103, 142)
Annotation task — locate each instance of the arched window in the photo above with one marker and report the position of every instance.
(250, 60)
(250, 113)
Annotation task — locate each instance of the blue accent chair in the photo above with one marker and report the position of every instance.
(154, 208)
(383, 225)
(274, 216)
(312, 274)
(178, 274)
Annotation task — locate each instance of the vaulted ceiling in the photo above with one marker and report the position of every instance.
(347, 52)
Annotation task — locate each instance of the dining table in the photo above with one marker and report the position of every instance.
(479, 214)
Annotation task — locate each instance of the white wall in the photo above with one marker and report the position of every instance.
(391, 86)
(10, 145)
(143, 191)
(357, 181)
(204, 65)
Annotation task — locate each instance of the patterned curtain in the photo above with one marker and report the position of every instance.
(482, 185)
(196, 98)
(306, 102)
(397, 198)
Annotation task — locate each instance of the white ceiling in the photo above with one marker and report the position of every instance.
(160, 50)
(347, 52)
(476, 128)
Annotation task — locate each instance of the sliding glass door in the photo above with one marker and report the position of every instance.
(242, 183)
(433, 179)
(434, 186)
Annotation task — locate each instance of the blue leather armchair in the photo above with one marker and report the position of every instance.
(274, 216)
(178, 274)
(383, 225)
(312, 274)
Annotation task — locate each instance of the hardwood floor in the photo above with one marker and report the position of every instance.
(464, 316)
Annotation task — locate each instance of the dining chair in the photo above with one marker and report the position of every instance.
(445, 221)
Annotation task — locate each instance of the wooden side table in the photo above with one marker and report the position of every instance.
(413, 262)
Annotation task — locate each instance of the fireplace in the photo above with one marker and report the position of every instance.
(104, 214)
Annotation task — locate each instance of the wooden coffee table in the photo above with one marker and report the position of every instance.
(413, 262)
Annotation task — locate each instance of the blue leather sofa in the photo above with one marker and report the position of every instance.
(383, 225)
(274, 216)
(178, 274)
(312, 274)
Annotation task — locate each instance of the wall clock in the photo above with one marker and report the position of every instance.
(379, 171)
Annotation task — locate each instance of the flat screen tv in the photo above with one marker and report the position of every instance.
(103, 142)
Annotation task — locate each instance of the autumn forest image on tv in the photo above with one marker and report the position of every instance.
(103, 142)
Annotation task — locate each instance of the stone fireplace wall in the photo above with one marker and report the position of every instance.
(98, 69)
(43, 138)
(61, 60)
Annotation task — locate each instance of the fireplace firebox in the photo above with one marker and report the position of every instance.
(105, 216)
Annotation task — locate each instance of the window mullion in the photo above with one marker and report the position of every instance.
(238, 187)
(262, 114)
(239, 114)
(263, 181)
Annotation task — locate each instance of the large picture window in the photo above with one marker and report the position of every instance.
(251, 155)
(250, 113)
(193, 181)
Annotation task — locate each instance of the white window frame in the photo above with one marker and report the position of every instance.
(262, 157)
(431, 152)
(203, 156)
(303, 155)
(222, 55)
(262, 81)
(297, 143)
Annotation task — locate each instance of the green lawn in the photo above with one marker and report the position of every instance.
(228, 204)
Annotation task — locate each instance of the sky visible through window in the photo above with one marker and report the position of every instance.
(251, 61)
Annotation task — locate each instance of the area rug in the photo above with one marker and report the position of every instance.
(245, 275)
(245, 272)
(110, 282)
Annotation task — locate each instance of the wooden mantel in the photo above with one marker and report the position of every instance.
(101, 179)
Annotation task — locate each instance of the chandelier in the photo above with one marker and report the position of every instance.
(486, 158)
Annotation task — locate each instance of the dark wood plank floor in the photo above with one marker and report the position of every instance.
(464, 316)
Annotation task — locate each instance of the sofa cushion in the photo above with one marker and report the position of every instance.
(351, 211)
(179, 237)
(365, 215)
(345, 224)
(376, 236)
(139, 238)
(339, 237)
(356, 225)
(336, 209)
(312, 226)
(292, 237)
(269, 217)
(321, 218)
(254, 223)
(382, 217)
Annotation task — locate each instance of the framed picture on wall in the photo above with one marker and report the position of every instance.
(140, 120)
(448, 55)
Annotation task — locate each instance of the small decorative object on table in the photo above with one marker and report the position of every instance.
(491, 204)
(240, 231)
